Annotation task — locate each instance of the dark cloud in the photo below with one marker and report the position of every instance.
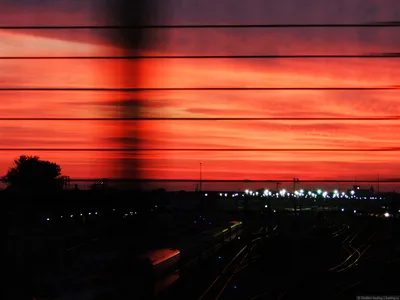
(132, 104)
(112, 103)
(94, 12)
(283, 11)
(124, 140)
(195, 41)
(75, 13)
(57, 12)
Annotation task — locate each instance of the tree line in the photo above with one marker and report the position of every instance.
(30, 173)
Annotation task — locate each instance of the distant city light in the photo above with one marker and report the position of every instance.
(266, 205)
(354, 211)
(387, 215)
(206, 195)
(47, 219)
(274, 210)
(342, 209)
(89, 214)
(81, 215)
(95, 213)
(72, 216)
(61, 217)
(299, 193)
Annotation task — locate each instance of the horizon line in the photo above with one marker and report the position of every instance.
(239, 180)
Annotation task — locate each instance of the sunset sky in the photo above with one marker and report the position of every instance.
(160, 73)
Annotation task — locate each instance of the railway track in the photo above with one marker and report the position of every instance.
(355, 244)
(239, 262)
(355, 252)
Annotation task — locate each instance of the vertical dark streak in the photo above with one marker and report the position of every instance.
(127, 12)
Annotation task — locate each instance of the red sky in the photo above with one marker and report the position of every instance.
(206, 134)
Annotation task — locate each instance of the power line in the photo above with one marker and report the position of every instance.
(194, 26)
(379, 118)
(388, 149)
(93, 89)
(235, 180)
(311, 56)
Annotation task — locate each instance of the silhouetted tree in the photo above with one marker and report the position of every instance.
(31, 173)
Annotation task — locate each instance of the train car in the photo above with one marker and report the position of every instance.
(162, 260)
(163, 265)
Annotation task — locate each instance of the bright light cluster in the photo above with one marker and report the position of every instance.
(318, 193)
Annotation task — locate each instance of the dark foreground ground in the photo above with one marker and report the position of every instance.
(318, 255)
(300, 261)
